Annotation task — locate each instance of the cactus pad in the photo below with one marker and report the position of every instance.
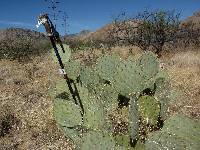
(128, 80)
(73, 68)
(64, 56)
(162, 93)
(93, 109)
(89, 78)
(179, 132)
(67, 114)
(148, 65)
(98, 141)
(107, 66)
(134, 119)
(149, 109)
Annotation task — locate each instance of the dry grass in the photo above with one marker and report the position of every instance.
(127, 51)
(184, 70)
(26, 109)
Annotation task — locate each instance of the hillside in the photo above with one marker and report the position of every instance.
(17, 43)
(102, 33)
(194, 19)
(16, 32)
(79, 36)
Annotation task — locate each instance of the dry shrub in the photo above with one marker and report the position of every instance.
(22, 44)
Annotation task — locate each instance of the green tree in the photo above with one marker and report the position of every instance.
(147, 29)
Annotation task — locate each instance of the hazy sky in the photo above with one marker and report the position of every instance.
(85, 14)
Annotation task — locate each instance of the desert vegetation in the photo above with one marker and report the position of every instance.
(22, 44)
(137, 80)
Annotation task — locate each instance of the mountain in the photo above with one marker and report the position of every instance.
(194, 19)
(18, 32)
(80, 35)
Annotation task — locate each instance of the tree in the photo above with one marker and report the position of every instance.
(148, 29)
(189, 34)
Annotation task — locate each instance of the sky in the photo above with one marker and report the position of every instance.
(84, 14)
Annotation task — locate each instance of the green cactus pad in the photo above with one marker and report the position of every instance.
(73, 68)
(107, 66)
(66, 113)
(94, 116)
(183, 127)
(135, 76)
(73, 134)
(162, 74)
(149, 109)
(93, 109)
(61, 90)
(162, 94)
(61, 86)
(89, 78)
(162, 140)
(98, 141)
(124, 140)
(134, 118)
(148, 65)
(64, 56)
(128, 80)
(178, 133)
(108, 95)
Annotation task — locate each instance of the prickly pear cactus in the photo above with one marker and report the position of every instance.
(93, 110)
(89, 78)
(184, 128)
(124, 140)
(68, 117)
(149, 109)
(73, 68)
(67, 114)
(108, 95)
(127, 80)
(162, 94)
(75, 134)
(94, 114)
(61, 86)
(107, 66)
(133, 77)
(64, 56)
(98, 141)
(60, 90)
(134, 119)
(178, 133)
(161, 140)
(148, 65)
(99, 88)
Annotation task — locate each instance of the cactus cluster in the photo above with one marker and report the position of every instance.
(179, 132)
(139, 80)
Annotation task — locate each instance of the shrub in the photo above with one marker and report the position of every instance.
(154, 29)
(21, 44)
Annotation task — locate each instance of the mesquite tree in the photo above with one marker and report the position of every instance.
(147, 29)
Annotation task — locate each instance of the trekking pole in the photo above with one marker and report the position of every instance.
(54, 37)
